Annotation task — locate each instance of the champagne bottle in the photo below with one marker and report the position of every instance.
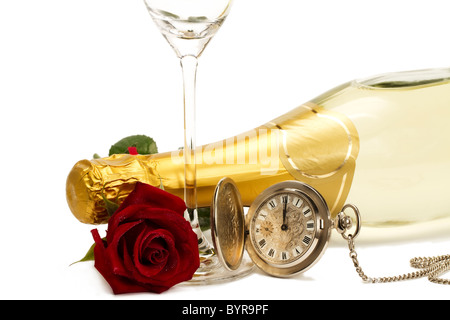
(382, 143)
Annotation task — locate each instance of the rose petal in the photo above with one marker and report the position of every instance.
(185, 249)
(146, 238)
(147, 282)
(115, 251)
(117, 283)
(153, 197)
(185, 241)
(154, 252)
(157, 216)
(129, 214)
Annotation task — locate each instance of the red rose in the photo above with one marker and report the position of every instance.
(149, 245)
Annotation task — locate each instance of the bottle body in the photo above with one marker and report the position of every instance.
(382, 144)
(403, 164)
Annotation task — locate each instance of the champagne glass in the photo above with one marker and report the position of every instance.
(188, 26)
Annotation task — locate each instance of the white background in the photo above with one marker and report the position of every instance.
(77, 76)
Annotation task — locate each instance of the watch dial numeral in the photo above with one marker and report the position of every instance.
(272, 204)
(297, 251)
(271, 253)
(285, 199)
(297, 202)
(310, 225)
(262, 215)
(307, 211)
(284, 255)
(306, 240)
(262, 243)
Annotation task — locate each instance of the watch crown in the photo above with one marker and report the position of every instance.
(342, 223)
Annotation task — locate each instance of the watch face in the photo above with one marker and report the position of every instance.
(284, 227)
(288, 228)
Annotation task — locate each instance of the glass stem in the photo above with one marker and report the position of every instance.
(189, 66)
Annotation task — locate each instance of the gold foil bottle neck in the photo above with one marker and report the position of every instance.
(113, 177)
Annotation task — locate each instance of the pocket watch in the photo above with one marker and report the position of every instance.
(287, 229)
(285, 232)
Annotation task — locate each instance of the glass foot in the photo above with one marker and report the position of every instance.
(212, 271)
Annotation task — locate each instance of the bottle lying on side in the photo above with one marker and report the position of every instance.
(382, 143)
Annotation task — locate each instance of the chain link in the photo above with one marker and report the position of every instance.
(432, 267)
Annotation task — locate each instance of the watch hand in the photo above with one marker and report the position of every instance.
(284, 225)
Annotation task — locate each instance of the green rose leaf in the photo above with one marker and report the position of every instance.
(89, 255)
(143, 144)
(110, 206)
(204, 218)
